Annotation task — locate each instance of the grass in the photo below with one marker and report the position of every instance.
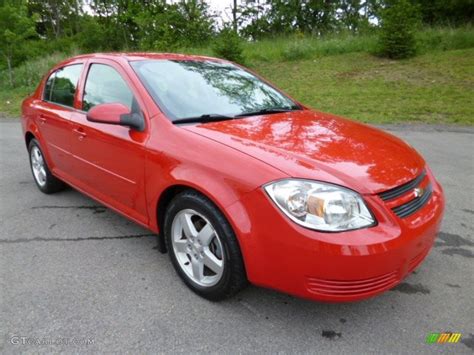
(27, 77)
(300, 47)
(340, 74)
(437, 87)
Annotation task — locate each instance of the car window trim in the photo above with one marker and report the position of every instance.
(61, 105)
(53, 78)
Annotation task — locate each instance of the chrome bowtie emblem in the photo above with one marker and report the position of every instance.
(418, 192)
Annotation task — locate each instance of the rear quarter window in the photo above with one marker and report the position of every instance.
(62, 85)
(48, 87)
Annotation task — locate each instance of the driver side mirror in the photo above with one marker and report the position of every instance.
(116, 114)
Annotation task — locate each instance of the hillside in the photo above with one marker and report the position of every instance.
(436, 87)
(433, 88)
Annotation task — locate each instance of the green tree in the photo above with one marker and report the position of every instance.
(198, 22)
(288, 16)
(15, 29)
(168, 26)
(446, 12)
(399, 21)
(253, 19)
(56, 18)
(93, 36)
(228, 45)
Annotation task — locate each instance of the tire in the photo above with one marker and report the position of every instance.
(46, 182)
(226, 275)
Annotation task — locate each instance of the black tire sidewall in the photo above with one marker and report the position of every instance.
(232, 258)
(52, 183)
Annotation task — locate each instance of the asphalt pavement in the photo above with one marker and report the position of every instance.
(76, 277)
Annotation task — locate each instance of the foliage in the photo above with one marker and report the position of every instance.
(397, 35)
(168, 26)
(29, 74)
(297, 50)
(258, 19)
(228, 45)
(27, 77)
(119, 25)
(56, 18)
(444, 39)
(264, 18)
(296, 47)
(446, 12)
(15, 27)
(356, 85)
(93, 37)
(268, 31)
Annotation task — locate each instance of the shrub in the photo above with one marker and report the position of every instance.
(397, 36)
(444, 38)
(297, 50)
(229, 45)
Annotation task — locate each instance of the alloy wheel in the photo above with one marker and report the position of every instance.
(38, 166)
(197, 247)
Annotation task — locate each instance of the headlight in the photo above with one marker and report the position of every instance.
(320, 206)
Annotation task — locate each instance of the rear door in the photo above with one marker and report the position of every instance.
(110, 159)
(54, 115)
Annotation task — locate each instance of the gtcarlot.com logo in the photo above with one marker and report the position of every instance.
(26, 340)
(441, 338)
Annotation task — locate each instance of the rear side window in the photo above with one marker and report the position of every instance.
(62, 85)
(105, 85)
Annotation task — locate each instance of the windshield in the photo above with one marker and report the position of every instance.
(192, 88)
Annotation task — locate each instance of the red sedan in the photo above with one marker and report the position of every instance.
(242, 183)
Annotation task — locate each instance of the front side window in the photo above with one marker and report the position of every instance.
(191, 88)
(62, 85)
(104, 85)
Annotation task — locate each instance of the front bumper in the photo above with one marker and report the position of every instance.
(333, 267)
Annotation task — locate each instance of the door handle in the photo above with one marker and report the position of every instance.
(80, 132)
(42, 119)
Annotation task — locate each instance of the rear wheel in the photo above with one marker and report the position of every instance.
(45, 181)
(203, 247)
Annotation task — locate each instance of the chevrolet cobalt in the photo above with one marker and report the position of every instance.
(240, 182)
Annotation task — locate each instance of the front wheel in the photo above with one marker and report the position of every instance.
(203, 247)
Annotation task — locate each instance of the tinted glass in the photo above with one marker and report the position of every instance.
(65, 84)
(105, 85)
(48, 87)
(190, 88)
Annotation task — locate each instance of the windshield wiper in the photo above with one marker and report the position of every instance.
(268, 110)
(210, 117)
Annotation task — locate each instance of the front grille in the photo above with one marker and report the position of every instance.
(408, 208)
(402, 189)
(343, 288)
(414, 205)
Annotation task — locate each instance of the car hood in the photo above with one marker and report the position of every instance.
(314, 145)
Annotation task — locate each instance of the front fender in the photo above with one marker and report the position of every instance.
(177, 157)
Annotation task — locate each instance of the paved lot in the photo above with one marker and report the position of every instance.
(70, 268)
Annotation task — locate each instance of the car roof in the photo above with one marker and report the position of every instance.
(137, 56)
